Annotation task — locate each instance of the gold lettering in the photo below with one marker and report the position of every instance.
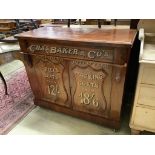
(32, 48)
(53, 90)
(70, 51)
(95, 103)
(106, 54)
(51, 72)
(91, 54)
(48, 69)
(37, 47)
(58, 50)
(64, 50)
(99, 53)
(88, 99)
(90, 76)
(75, 51)
(46, 49)
(53, 50)
(51, 76)
(88, 84)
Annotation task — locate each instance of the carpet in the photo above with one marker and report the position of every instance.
(14, 115)
(18, 101)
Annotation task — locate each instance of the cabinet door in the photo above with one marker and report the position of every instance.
(91, 87)
(52, 78)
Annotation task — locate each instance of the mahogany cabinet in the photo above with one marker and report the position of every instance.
(78, 71)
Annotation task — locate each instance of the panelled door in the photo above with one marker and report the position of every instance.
(53, 80)
(91, 86)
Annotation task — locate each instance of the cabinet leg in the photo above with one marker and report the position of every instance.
(135, 132)
(116, 130)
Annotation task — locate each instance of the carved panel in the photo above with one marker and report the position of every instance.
(52, 77)
(91, 87)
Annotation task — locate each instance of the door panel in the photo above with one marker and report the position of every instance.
(52, 77)
(91, 87)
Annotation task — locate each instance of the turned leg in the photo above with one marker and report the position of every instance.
(135, 132)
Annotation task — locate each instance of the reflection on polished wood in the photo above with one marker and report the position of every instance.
(78, 71)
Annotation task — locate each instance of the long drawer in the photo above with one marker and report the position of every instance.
(146, 95)
(144, 117)
(148, 75)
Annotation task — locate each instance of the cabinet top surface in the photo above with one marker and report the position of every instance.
(89, 35)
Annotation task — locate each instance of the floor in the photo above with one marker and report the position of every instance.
(46, 122)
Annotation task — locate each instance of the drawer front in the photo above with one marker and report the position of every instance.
(104, 54)
(148, 75)
(144, 118)
(146, 95)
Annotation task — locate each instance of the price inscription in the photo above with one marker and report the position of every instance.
(88, 99)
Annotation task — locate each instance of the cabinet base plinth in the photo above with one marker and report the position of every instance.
(96, 119)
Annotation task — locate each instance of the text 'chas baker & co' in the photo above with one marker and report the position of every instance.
(70, 51)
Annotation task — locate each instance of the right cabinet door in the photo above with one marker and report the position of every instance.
(90, 87)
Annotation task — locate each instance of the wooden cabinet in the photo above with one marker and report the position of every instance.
(143, 113)
(78, 71)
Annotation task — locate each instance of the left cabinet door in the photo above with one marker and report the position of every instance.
(52, 78)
